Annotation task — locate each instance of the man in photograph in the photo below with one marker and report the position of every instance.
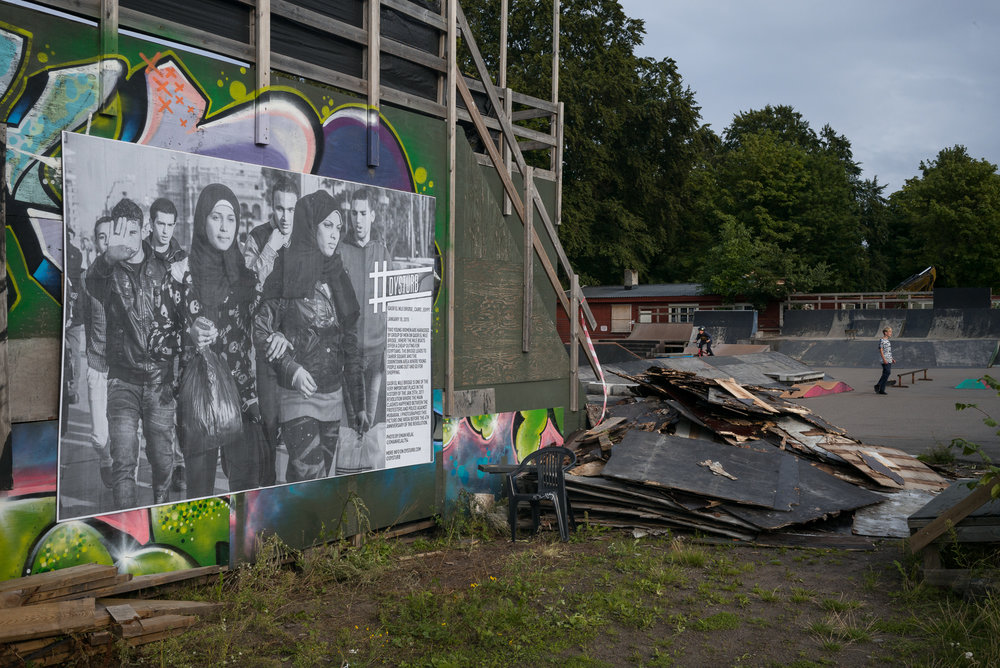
(264, 249)
(362, 252)
(125, 278)
(162, 223)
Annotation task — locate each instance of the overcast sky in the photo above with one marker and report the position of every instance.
(901, 79)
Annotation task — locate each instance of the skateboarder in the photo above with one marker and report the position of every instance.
(885, 350)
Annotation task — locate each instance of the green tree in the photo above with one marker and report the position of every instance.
(632, 132)
(745, 266)
(949, 217)
(798, 192)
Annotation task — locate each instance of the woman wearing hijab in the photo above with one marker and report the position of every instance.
(308, 324)
(206, 302)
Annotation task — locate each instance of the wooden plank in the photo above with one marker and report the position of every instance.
(414, 102)
(45, 619)
(417, 12)
(318, 73)
(179, 32)
(144, 608)
(951, 517)
(319, 21)
(262, 70)
(64, 577)
(156, 628)
(526, 114)
(413, 54)
(122, 613)
(528, 259)
(91, 588)
(141, 582)
(738, 391)
(474, 402)
(12, 598)
(540, 174)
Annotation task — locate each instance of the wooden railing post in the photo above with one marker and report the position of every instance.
(449, 266)
(574, 344)
(262, 46)
(529, 258)
(374, 25)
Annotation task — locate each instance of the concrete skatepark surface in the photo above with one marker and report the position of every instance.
(914, 419)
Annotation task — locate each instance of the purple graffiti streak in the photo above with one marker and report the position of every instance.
(345, 151)
(175, 119)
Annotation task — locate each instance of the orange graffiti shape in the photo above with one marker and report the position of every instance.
(150, 62)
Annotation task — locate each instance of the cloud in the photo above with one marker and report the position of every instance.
(900, 80)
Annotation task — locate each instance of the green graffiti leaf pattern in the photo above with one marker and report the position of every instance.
(194, 528)
(528, 434)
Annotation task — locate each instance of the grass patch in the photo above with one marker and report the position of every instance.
(720, 621)
(457, 598)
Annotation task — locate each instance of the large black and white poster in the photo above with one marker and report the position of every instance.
(229, 327)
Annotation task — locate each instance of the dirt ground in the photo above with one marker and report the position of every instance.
(746, 605)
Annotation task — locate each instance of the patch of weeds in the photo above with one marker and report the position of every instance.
(678, 621)
(820, 628)
(742, 600)
(707, 594)
(939, 455)
(687, 555)
(720, 621)
(831, 646)
(759, 622)
(800, 595)
(838, 605)
(765, 595)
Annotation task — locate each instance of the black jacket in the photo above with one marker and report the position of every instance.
(129, 293)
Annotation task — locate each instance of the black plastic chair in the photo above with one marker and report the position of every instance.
(547, 465)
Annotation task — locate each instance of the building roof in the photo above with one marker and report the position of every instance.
(643, 291)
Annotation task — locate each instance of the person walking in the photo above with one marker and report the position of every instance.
(885, 351)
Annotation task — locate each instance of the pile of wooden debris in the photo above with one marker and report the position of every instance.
(725, 459)
(75, 614)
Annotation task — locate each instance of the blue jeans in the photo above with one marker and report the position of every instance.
(886, 370)
(153, 404)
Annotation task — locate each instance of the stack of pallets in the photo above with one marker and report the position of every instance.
(79, 612)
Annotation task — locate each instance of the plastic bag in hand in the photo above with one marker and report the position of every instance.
(208, 402)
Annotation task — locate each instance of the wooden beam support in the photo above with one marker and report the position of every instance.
(373, 55)
(505, 151)
(109, 49)
(949, 518)
(262, 47)
(574, 346)
(529, 260)
(6, 453)
(558, 167)
(449, 266)
(518, 205)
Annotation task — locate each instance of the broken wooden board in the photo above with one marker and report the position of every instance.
(821, 496)
(743, 395)
(888, 518)
(673, 463)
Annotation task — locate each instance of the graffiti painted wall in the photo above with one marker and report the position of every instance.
(160, 94)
